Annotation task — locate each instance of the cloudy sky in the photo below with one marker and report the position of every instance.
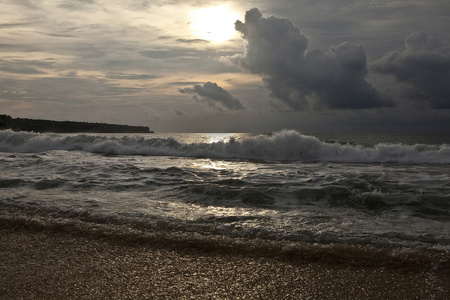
(229, 66)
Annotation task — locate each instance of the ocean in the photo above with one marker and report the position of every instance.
(329, 190)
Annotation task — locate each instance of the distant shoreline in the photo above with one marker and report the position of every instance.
(37, 125)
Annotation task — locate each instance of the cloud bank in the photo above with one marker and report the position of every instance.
(423, 68)
(302, 79)
(213, 95)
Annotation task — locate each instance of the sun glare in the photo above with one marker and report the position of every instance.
(215, 24)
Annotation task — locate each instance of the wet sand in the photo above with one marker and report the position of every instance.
(52, 258)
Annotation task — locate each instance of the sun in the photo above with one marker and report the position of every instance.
(215, 24)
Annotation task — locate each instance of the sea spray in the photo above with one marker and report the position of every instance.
(282, 186)
(286, 145)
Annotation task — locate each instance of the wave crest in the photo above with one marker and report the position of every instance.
(286, 145)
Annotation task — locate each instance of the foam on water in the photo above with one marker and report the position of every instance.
(281, 146)
(284, 186)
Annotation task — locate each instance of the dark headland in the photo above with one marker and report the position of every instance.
(36, 125)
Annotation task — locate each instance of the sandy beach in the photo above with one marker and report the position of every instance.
(41, 262)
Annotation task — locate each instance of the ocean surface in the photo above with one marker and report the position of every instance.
(338, 189)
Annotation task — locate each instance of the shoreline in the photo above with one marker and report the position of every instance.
(51, 126)
(50, 258)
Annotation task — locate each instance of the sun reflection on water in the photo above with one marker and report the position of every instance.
(218, 137)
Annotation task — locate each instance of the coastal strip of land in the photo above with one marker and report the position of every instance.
(36, 125)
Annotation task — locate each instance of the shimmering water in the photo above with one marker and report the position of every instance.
(382, 190)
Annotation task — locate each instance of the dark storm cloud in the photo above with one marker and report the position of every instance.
(335, 79)
(214, 95)
(424, 66)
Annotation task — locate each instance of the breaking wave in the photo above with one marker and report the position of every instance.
(286, 145)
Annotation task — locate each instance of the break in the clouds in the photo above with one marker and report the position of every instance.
(335, 79)
(423, 67)
(124, 62)
(214, 95)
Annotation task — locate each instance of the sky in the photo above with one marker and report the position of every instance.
(316, 66)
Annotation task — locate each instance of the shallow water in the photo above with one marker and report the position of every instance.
(283, 186)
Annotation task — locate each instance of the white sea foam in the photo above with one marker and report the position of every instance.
(174, 183)
(281, 146)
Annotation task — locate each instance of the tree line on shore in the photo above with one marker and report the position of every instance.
(37, 125)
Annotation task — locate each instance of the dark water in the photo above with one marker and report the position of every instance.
(388, 191)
